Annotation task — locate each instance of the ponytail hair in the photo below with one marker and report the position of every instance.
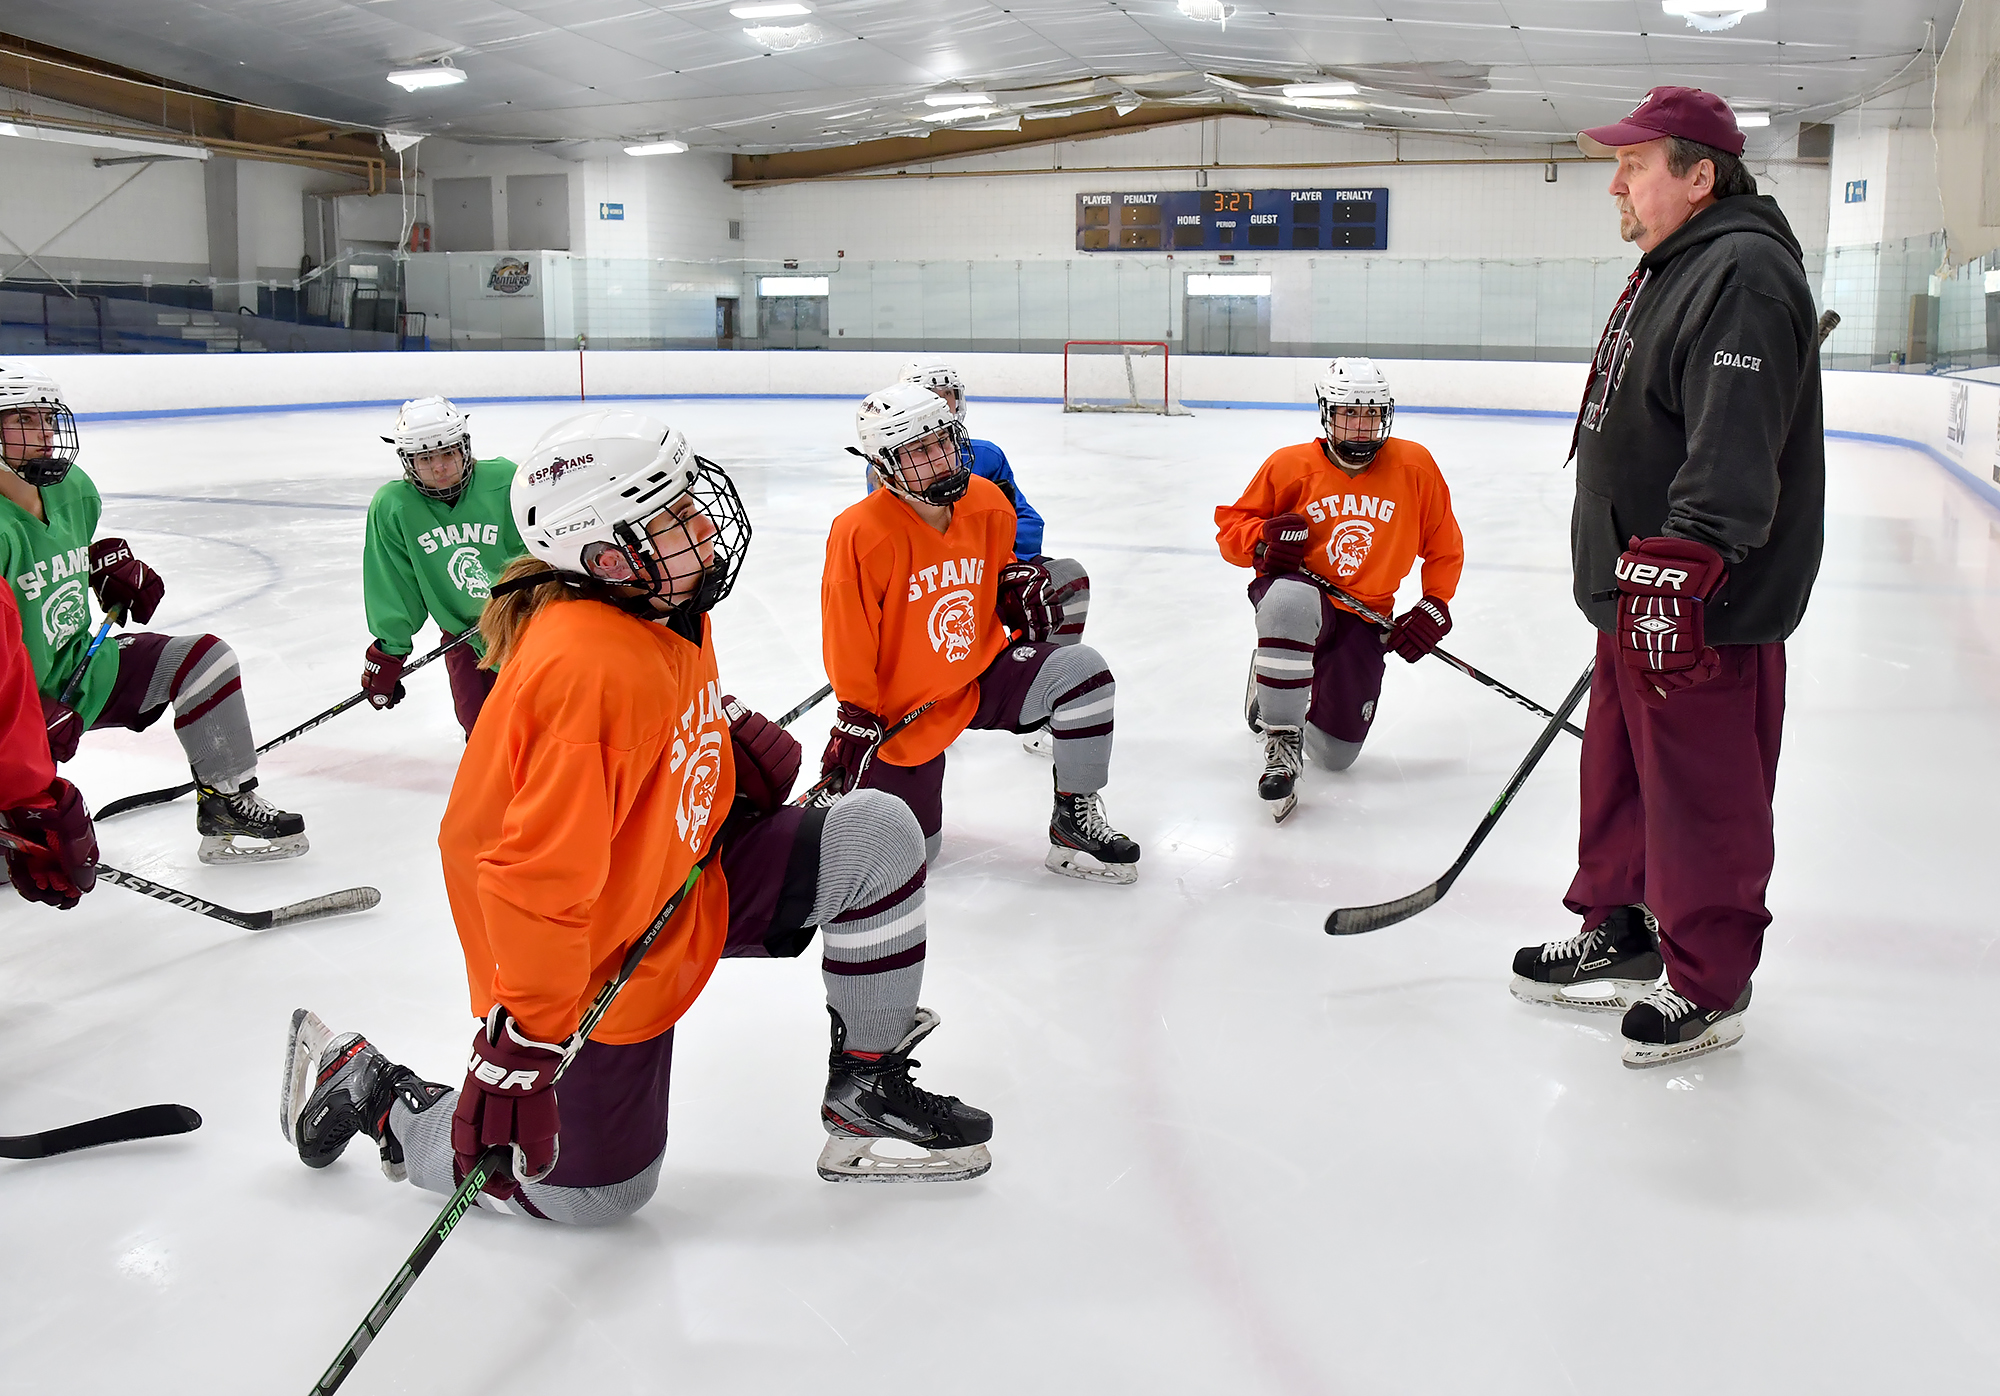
(528, 585)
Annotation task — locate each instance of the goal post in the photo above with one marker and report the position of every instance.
(1117, 375)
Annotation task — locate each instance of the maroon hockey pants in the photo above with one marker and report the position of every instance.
(1677, 812)
(469, 683)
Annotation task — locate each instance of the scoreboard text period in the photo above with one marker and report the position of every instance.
(1228, 220)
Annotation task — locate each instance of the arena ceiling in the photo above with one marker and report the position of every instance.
(577, 76)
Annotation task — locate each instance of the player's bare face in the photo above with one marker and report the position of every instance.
(926, 461)
(1652, 200)
(685, 541)
(440, 469)
(26, 433)
(953, 400)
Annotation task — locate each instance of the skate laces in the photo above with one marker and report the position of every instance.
(248, 803)
(1667, 1003)
(1088, 811)
(1284, 750)
(1578, 945)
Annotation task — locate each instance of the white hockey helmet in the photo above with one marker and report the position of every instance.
(583, 498)
(429, 424)
(915, 442)
(1356, 383)
(37, 430)
(941, 378)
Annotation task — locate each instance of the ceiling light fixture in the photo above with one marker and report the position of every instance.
(62, 136)
(769, 11)
(956, 114)
(1712, 15)
(1327, 103)
(438, 74)
(957, 99)
(657, 147)
(781, 37)
(1212, 11)
(1747, 119)
(1319, 89)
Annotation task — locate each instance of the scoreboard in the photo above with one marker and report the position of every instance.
(1227, 220)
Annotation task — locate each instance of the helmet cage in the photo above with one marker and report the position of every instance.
(938, 488)
(448, 493)
(1361, 450)
(54, 460)
(634, 559)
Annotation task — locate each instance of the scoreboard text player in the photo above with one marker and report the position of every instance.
(1229, 220)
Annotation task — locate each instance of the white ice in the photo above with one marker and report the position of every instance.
(1232, 1154)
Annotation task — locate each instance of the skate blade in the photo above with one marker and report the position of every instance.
(1074, 862)
(1624, 993)
(303, 1049)
(1641, 1055)
(1280, 809)
(1039, 743)
(847, 1159)
(218, 849)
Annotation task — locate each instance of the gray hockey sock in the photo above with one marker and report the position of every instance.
(870, 910)
(1076, 693)
(200, 676)
(1288, 621)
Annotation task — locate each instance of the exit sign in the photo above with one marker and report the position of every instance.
(615, 213)
(1857, 191)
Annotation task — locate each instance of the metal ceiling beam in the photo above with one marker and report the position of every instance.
(758, 171)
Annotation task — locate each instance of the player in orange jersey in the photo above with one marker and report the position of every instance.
(606, 767)
(1355, 508)
(923, 603)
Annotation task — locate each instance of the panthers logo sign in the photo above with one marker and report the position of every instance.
(954, 627)
(510, 276)
(467, 574)
(1349, 546)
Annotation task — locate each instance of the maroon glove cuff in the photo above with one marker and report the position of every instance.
(62, 866)
(1417, 631)
(121, 581)
(1282, 547)
(382, 676)
(1024, 601)
(508, 1100)
(767, 756)
(65, 728)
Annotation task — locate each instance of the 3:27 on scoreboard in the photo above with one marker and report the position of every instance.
(1226, 220)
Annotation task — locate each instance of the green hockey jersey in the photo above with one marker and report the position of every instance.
(48, 565)
(424, 557)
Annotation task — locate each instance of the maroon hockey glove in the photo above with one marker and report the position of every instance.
(382, 676)
(767, 756)
(1417, 631)
(1282, 549)
(65, 726)
(1663, 589)
(855, 734)
(63, 864)
(1025, 604)
(121, 580)
(507, 1100)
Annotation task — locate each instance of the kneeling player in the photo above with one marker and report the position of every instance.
(435, 537)
(1355, 508)
(917, 604)
(48, 512)
(58, 863)
(607, 766)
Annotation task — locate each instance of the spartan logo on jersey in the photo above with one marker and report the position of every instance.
(1368, 711)
(954, 627)
(1348, 548)
(467, 575)
(65, 613)
(698, 786)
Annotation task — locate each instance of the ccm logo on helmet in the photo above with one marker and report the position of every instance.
(499, 1077)
(557, 468)
(1725, 359)
(1647, 574)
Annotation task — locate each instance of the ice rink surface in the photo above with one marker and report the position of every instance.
(1231, 1154)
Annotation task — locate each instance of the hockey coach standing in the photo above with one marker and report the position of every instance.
(1700, 491)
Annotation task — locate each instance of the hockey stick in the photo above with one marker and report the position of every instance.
(1376, 618)
(824, 790)
(75, 685)
(1354, 920)
(147, 1122)
(161, 797)
(802, 709)
(494, 1162)
(311, 909)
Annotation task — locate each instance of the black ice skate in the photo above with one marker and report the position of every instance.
(1601, 970)
(1284, 758)
(1083, 844)
(336, 1087)
(1663, 1027)
(873, 1102)
(222, 818)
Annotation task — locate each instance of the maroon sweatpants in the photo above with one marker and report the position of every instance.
(469, 683)
(1677, 812)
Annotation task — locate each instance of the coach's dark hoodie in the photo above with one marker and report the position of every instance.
(1706, 423)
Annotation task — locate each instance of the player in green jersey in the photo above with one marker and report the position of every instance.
(48, 518)
(436, 538)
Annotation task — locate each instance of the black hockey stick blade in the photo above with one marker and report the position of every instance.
(340, 903)
(825, 690)
(147, 1122)
(1354, 920)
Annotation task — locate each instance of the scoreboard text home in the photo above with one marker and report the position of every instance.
(1223, 220)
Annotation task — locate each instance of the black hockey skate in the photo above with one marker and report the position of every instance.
(870, 1102)
(1663, 1027)
(1284, 758)
(1083, 844)
(221, 818)
(1600, 970)
(336, 1087)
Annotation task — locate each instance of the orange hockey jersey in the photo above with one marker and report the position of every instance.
(908, 614)
(1363, 531)
(599, 772)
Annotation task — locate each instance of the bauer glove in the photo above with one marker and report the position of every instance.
(856, 733)
(61, 864)
(1025, 603)
(767, 756)
(1282, 548)
(382, 676)
(1663, 590)
(508, 1099)
(121, 580)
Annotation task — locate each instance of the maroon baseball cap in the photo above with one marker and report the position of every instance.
(1687, 112)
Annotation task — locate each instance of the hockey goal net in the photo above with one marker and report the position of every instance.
(1116, 375)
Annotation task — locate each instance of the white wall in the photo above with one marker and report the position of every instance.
(156, 221)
